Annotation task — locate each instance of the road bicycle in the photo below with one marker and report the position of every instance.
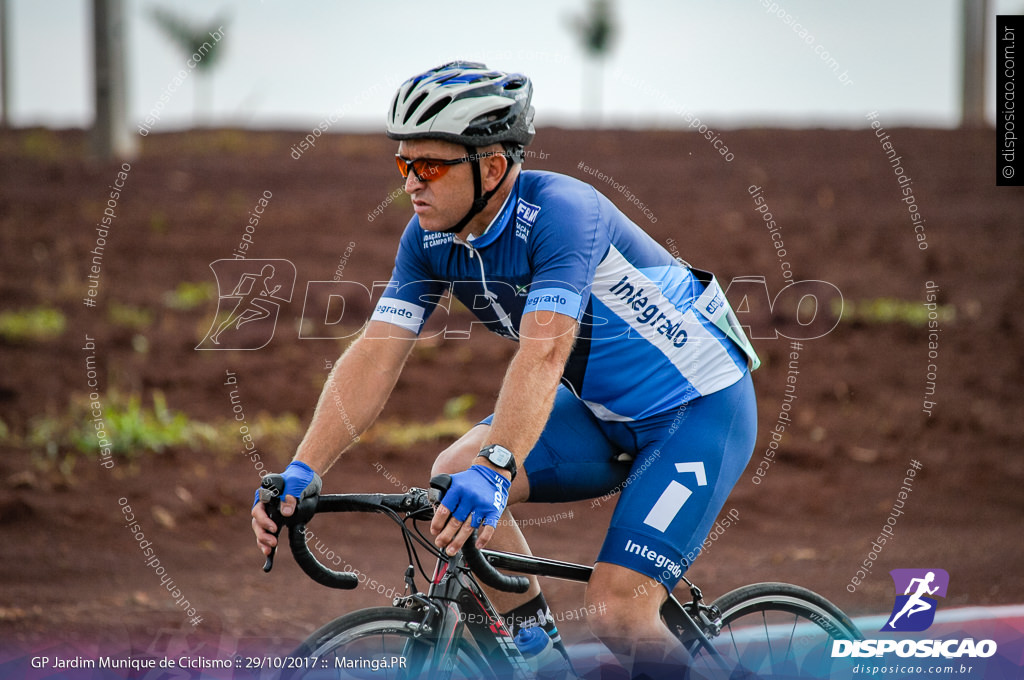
(452, 631)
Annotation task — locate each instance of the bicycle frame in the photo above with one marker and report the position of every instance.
(680, 621)
(455, 600)
(467, 607)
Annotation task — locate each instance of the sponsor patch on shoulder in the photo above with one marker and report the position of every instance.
(527, 212)
(715, 304)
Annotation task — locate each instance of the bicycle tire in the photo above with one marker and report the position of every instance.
(351, 638)
(776, 630)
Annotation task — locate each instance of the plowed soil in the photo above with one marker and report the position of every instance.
(72, 573)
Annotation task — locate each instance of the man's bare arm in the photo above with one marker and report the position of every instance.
(351, 400)
(524, 404)
(355, 393)
(528, 390)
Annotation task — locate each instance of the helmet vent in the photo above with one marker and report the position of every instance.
(412, 87)
(433, 110)
(394, 107)
(413, 106)
(493, 122)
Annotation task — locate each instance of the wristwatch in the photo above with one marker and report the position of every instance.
(500, 456)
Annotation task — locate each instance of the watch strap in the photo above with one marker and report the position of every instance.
(489, 450)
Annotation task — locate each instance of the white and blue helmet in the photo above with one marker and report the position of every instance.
(465, 103)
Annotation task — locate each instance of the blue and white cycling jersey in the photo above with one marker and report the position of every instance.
(644, 344)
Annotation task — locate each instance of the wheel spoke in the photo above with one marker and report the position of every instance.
(792, 635)
(768, 638)
(362, 644)
(735, 645)
(778, 630)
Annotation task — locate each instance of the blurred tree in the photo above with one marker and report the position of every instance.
(191, 39)
(5, 63)
(974, 14)
(110, 135)
(596, 30)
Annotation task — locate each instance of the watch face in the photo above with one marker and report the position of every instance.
(499, 455)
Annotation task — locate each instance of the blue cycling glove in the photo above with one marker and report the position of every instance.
(479, 490)
(299, 481)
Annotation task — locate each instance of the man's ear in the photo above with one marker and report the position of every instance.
(495, 170)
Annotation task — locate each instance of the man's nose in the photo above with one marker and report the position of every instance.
(412, 183)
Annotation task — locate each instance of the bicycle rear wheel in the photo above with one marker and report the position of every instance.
(381, 643)
(776, 630)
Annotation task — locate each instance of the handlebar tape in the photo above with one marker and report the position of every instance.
(271, 489)
(345, 580)
(486, 572)
(273, 485)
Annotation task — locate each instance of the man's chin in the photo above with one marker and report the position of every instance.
(432, 225)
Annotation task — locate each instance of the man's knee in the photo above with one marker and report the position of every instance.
(460, 454)
(622, 609)
(448, 462)
(613, 621)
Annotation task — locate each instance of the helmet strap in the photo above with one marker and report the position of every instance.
(480, 199)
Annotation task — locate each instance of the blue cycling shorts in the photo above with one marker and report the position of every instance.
(684, 464)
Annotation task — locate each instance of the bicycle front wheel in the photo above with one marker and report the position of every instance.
(382, 643)
(776, 630)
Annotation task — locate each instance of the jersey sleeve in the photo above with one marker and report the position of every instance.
(412, 293)
(566, 245)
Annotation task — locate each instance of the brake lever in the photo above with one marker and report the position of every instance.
(439, 485)
(270, 491)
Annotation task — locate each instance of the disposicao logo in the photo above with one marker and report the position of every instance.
(914, 611)
(258, 289)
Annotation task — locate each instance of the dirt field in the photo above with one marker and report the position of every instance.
(73, 573)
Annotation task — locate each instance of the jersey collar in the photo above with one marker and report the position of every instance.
(500, 221)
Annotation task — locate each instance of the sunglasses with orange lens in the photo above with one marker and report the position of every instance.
(427, 169)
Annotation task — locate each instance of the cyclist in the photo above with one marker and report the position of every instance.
(630, 374)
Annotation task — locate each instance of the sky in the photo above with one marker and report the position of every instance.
(292, 63)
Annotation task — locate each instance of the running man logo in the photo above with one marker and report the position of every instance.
(914, 610)
(247, 316)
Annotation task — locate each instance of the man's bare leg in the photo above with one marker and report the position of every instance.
(629, 622)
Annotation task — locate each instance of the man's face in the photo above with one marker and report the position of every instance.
(442, 202)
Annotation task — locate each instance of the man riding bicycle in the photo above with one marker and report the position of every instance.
(629, 365)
